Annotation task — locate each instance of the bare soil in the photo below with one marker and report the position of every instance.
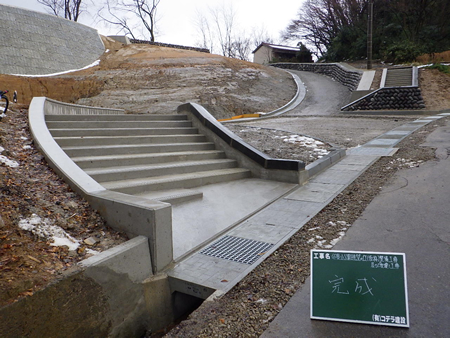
(435, 88)
(28, 262)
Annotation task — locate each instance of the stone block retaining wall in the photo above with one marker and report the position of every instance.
(202, 50)
(397, 98)
(346, 76)
(35, 43)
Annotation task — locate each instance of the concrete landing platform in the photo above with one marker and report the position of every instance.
(222, 206)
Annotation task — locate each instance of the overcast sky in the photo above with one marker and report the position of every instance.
(177, 17)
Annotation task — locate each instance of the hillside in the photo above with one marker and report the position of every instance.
(152, 79)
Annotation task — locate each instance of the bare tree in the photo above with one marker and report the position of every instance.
(219, 32)
(241, 48)
(111, 16)
(260, 35)
(69, 9)
(120, 13)
(205, 31)
(223, 19)
(216, 29)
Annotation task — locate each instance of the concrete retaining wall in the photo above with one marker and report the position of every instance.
(35, 43)
(111, 294)
(398, 98)
(346, 75)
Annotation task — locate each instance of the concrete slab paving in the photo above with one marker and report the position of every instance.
(316, 192)
(383, 142)
(372, 151)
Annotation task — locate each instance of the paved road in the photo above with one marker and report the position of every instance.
(410, 215)
(324, 96)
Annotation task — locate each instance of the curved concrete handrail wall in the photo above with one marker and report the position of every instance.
(247, 156)
(296, 100)
(36, 43)
(131, 214)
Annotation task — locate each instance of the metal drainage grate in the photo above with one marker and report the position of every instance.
(237, 249)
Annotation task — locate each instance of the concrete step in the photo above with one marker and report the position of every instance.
(182, 181)
(119, 173)
(117, 117)
(399, 77)
(118, 124)
(127, 140)
(72, 132)
(94, 151)
(173, 196)
(87, 162)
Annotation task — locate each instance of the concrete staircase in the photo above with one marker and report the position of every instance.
(399, 77)
(160, 157)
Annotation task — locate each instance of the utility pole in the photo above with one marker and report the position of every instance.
(369, 34)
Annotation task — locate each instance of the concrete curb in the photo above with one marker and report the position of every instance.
(292, 104)
(327, 161)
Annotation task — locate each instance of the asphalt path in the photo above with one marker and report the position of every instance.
(324, 96)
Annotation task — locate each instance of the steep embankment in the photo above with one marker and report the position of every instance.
(144, 78)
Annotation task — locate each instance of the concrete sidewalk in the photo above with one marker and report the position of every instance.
(410, 215)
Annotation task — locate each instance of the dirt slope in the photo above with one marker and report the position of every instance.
(152, 79)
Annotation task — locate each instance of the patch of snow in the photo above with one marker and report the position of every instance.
(91, 252)
(6, 161)
(26, 147)
(334, 241)
(44, 229)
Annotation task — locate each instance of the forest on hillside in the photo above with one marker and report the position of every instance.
(336, 30)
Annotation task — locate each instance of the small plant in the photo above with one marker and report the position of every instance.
(442, 68)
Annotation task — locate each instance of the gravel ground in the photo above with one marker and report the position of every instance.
(281, 144)
(343, 131)
(248, 308)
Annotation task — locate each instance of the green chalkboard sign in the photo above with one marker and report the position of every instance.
(359, 287)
